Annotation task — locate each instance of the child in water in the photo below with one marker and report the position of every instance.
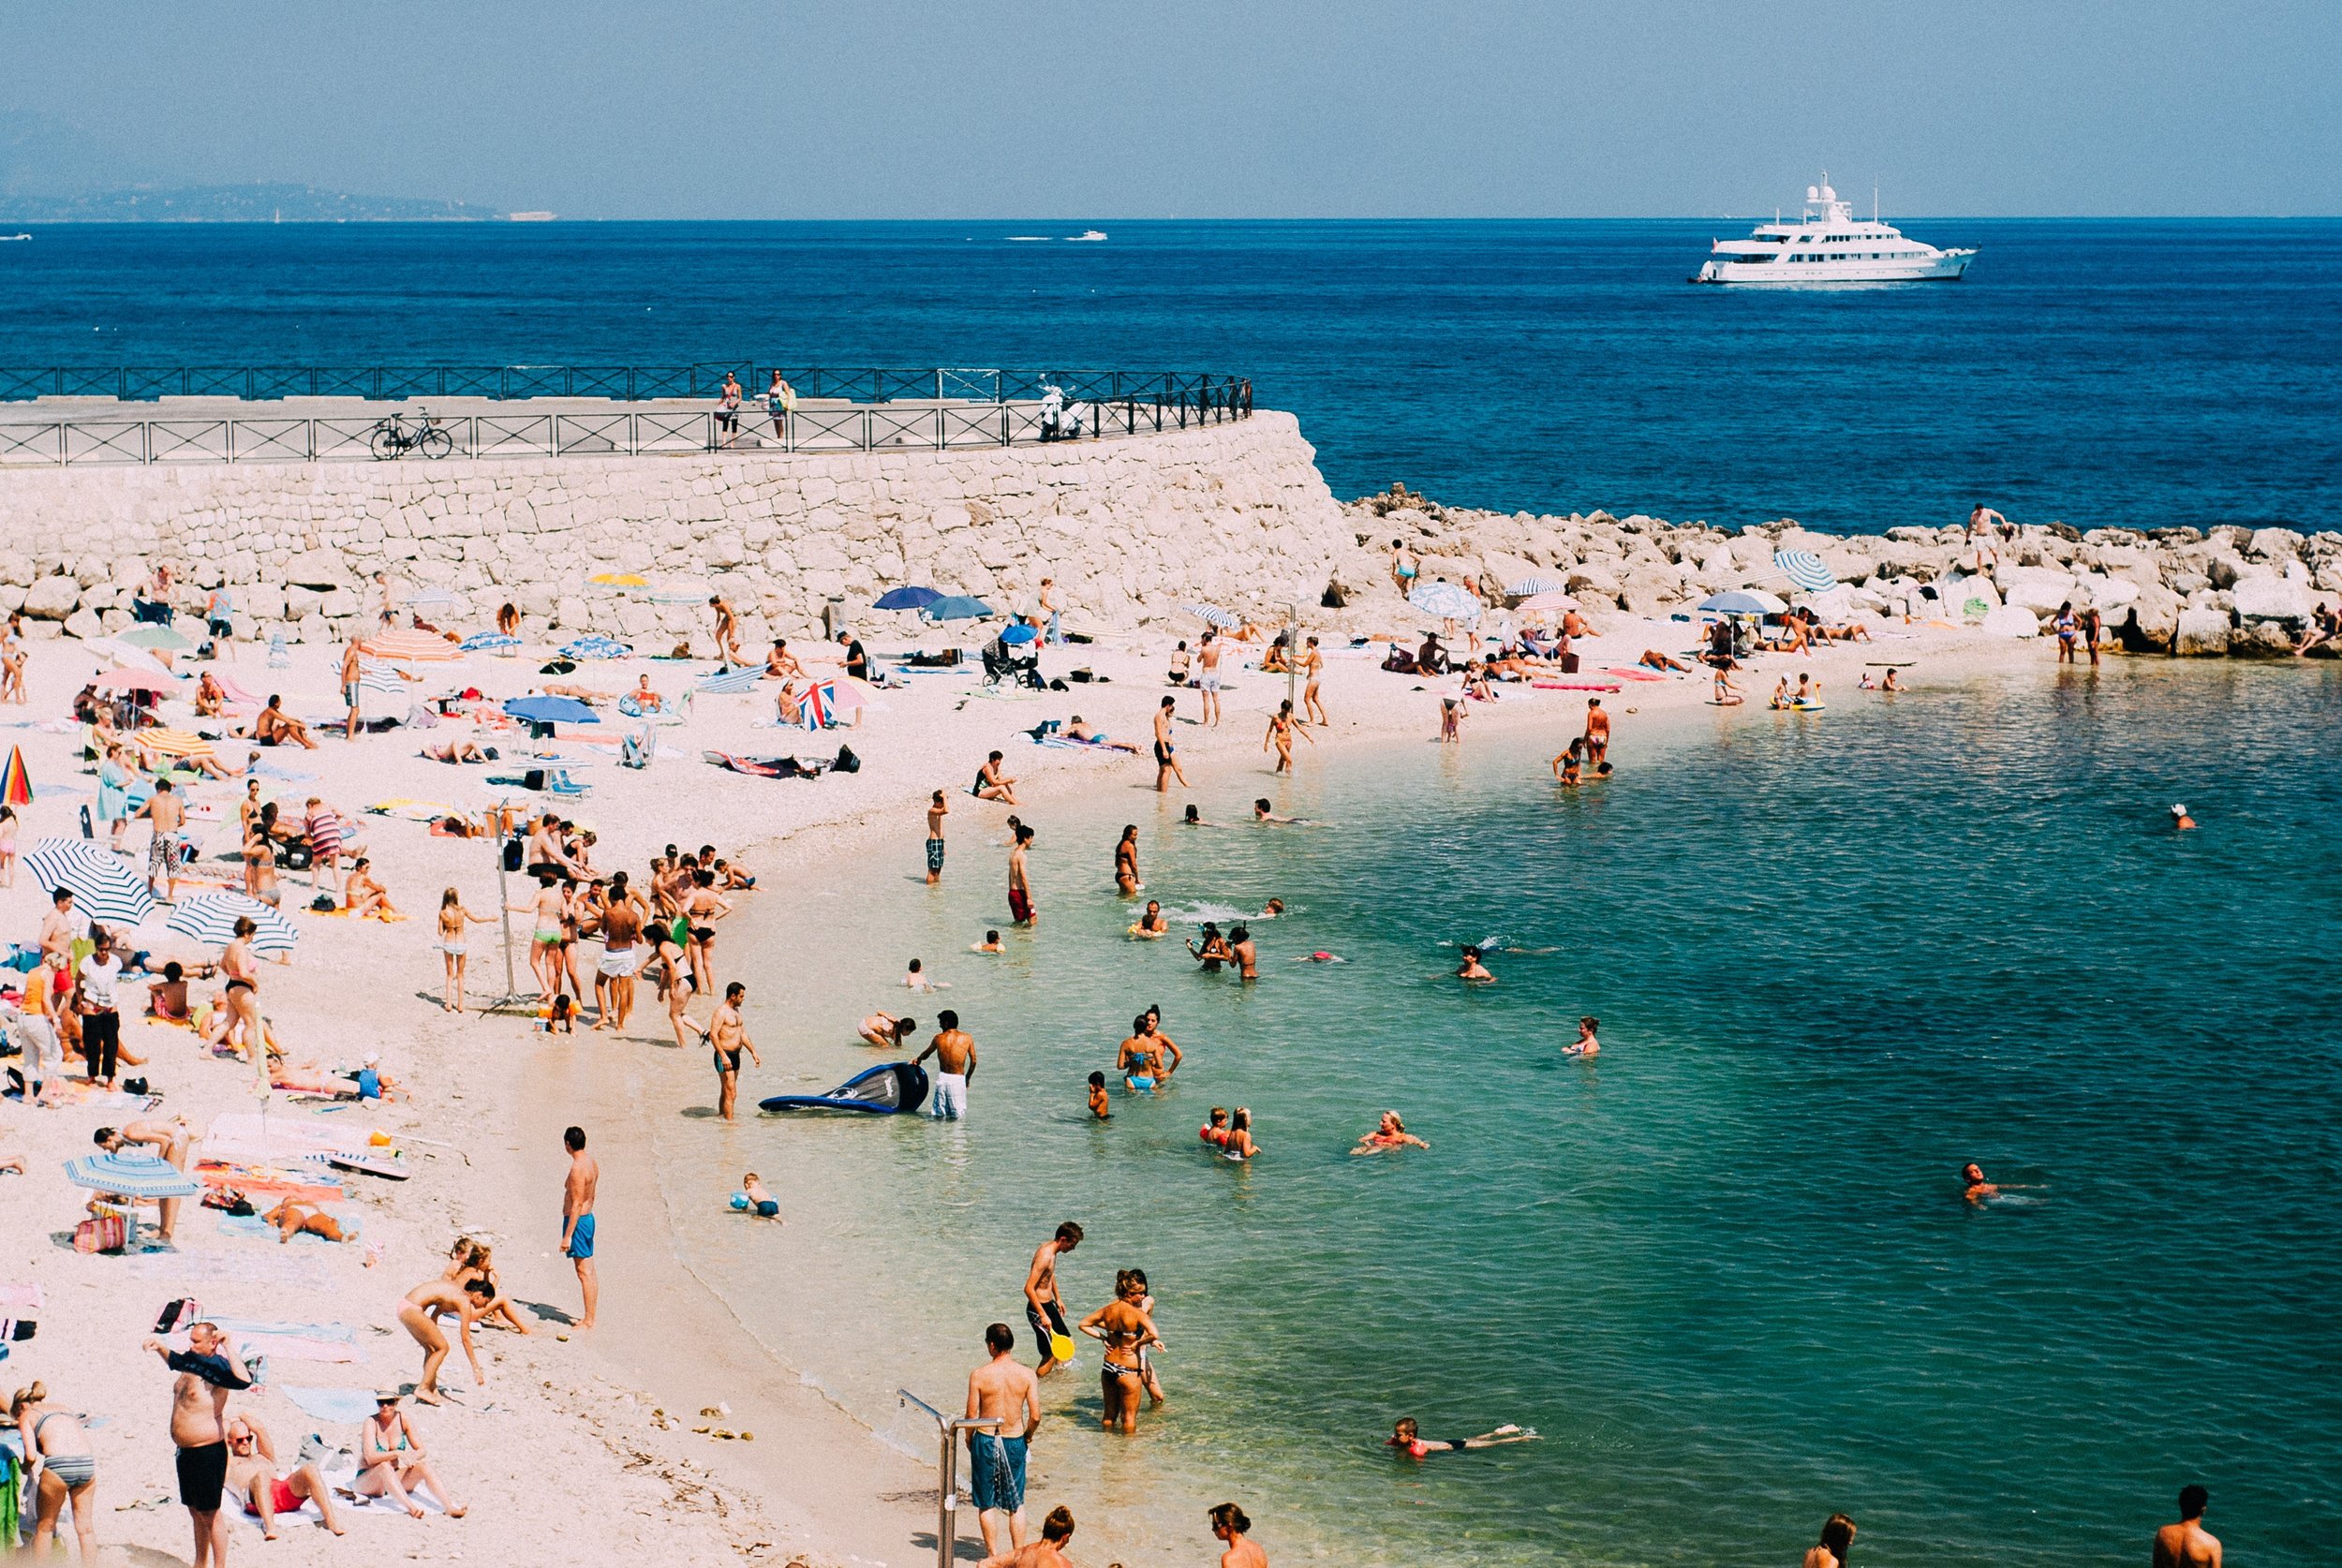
(1100, 1105)
(991, 943)
(1404, 1438)
(760, 1201)
(1215, 1128)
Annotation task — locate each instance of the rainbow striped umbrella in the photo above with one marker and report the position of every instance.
(414, 647)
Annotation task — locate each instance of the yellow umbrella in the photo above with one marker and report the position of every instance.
(618, 580)
(171, 742)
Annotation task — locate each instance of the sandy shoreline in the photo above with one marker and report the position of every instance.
(562, 1456)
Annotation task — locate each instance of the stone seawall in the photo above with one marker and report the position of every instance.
(1128, 527)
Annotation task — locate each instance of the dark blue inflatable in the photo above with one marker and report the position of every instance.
(888, 1089)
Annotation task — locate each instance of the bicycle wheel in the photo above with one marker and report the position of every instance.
(435, 443)
(385, 443)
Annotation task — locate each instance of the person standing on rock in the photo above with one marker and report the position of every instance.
(1402, 566)
(1167, 754)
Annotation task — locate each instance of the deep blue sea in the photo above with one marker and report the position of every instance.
(2101, 372)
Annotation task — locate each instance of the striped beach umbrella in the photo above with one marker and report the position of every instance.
(1537, 583)
(1805, 569)
(171, 742)
(152, 636)
(133, 1176)
(101, 882)
(1446, 601)
(413, 647)
(1211, 614)
(488, 642)
(210, 918)
(730, 683)
(595, 648)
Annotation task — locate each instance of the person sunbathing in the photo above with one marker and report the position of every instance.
(391, 1457)
(585, 694)
(273, 726)
(1847, 631)
(1080, 729)
(1654, 659)
(645, 700)
(458, 751)
(886, 1031)
(780, 664)
(252, 1471)
(296, 1219)
(790, 707)
(363, 895)
(993, 784)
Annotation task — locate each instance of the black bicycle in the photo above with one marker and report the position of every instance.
(392, 439)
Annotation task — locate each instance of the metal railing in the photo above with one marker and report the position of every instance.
(949, 1430)
(631, 433)
(621, 383)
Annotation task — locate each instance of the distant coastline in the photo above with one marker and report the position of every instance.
(252, 203)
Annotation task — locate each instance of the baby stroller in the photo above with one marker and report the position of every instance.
(1000, 664)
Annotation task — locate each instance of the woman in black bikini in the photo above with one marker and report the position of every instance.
(1124, 1328)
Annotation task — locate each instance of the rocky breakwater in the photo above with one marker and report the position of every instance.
(2222, 591)
(1128, 527)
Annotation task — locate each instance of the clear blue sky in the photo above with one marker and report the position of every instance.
(758, 108)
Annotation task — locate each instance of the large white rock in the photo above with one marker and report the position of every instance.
(51, 599)
(2037, 588)
(2011, 620)
(2201, 633)
(2275, 544)
(317, 569)
(85, 624)
(2271, 599)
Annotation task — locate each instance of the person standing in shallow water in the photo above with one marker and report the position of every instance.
(1126, 862)
(2187, 1544)
(937, 812)
(1020, 906)
(1837, 1536)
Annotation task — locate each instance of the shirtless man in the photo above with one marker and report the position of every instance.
(168, 812)
(954, 1056)
(1047, 1552)
(937, 812)
(418, 1312)
(1005, 1391)
(727, 631)
(727, 1034)
(780, 664)
(577, 1218)
(199, 1429)
(1247, 956)
(614, 976)
(252, 1471)
(1597, 733)
(64, 924)
(1472, 969)
(2187, 1544)
(1973, 1186)
(1228, 1524)
(272, 727)
(1167, 754)
(351, 654)
(1208, 655)
(1021, 907)
(1044, 1308)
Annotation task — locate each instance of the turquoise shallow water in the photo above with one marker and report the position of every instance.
(1725, 1269)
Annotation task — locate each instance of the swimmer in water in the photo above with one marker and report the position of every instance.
(1389, 1133)
(1271, 909)
(886, 1031)
(1215, 1128)
(1320, 957)
(1585, 1045)
(1472, 969)
(1151, 925)
(1262, 812)
(1213, 951)
(991, 943)
(1404, 1438)
(1194, 819)
(1976, 1189)
(1100, 1106)
(2181, 821)
(1240, 1145)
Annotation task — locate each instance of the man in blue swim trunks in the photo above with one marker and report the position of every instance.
(577, 1219)
(1003, 1389)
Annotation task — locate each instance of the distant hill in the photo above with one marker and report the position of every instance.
(257, 203)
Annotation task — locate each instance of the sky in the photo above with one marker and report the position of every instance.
(963, 109)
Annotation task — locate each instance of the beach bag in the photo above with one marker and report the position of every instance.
(1570, 664)
(184, 1309)
(104, 1234)
(847, 761)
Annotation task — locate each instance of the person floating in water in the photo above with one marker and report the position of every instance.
(1585, 1045)
(2181, 821)
(1473, 969)
(1320, 957)
(1404, 1436)
(1975, 1188)
(1389, 1133)
(991, 943)
(1151, 925)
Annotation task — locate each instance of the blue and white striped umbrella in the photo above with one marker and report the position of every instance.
(1804, 569)
(1446, 601)
(133, 1176)
(104, 886)
(1537, 583)
(1211, 614)
(210, 918)
(595, 648)
(488, 642)
(730, 683)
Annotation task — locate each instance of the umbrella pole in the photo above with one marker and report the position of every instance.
(512, 993)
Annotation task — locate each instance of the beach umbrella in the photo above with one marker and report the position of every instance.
(730, 683)
(1535, 584)
(1019, 635)
(102, 883)
(905, 599)
(1805, 569)
(680, 592)
(136, 680)
(171, 742)
(153, 636)
(814, 709)
(210, 918)
(596, 646)
(618, 580)
(1553, 600)
(414, 647)
(551, 710)
(16, 785)
(957, 607)
(488, 642)
(1446, 601)
(1743, 601)
(133, 1176)
(1211, 614)
(847, 694)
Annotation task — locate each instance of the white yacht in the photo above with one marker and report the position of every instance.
(1830, 245)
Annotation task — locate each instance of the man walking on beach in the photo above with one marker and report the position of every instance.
(1004, 1390)
(1167, 755)
(1044, 1308)
(169, 813)
(954, 1056)
(577, 1219)
(1020, 907)
(727, 1034)
(614, 975)
(937, 812)
(199, 1429)
(351, 652)
(2187, 1544)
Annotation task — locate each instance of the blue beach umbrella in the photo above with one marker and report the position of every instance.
(595, 648)
(730, 683)
(551, 710)
(210, 918)
(1537, 583)
(1018, 633)
(957, 607)
(488, 642)
(1743, 601)
(1211, 614)
(905, 599)
(1446, 601)
(133, 1176)
(1805, 569)
(103, 885)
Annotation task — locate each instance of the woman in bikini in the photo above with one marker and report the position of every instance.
(1213, 951)
(390, 1459)
(57, 1448)
(1240, 1145)
(469, 1260)
(1122, 1327)
(1126, 862)
(1282, 728)
(453, 917)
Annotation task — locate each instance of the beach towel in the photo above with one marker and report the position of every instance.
(18, 1301)
(342, 1406)
(1576, 685)
(289, 776)
(286, 1347)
